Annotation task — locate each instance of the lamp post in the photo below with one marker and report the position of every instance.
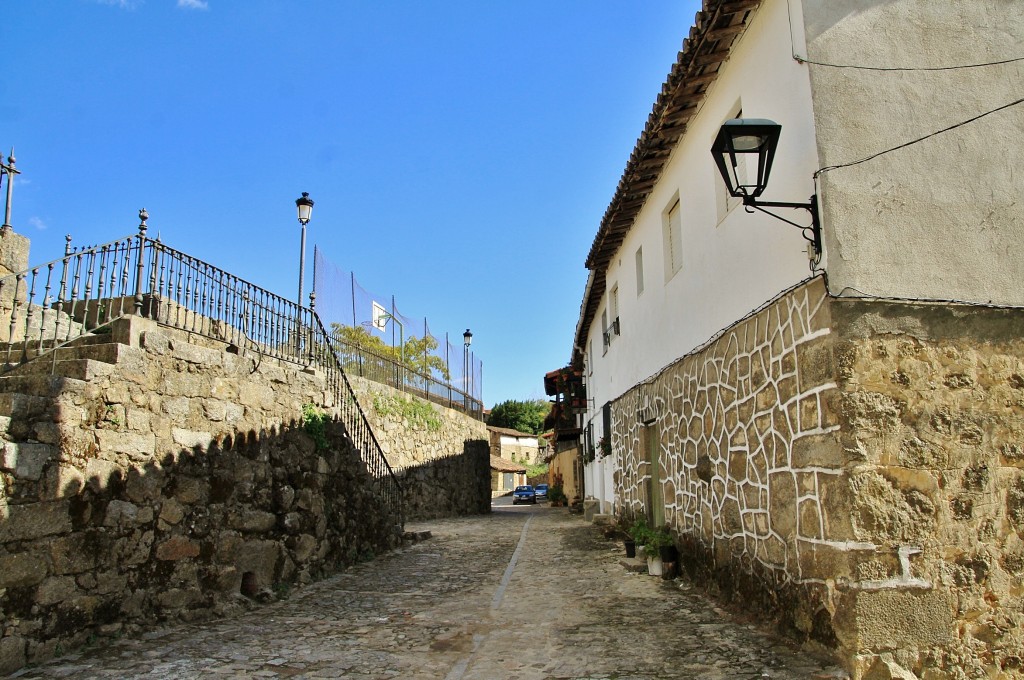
(9, 170)
(467, 340)
(304, 204)
(758, 138)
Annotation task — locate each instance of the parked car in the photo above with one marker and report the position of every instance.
(524, 494)
(540, 492)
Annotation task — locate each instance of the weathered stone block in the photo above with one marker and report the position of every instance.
(135, 549)
(191, 490)
(110, 582)
(34, 520)
(21, 569)
(56, 589)
(303, 547)
(171, 512)
(260, 558)
(26, 460)
(190, 439)
(177, 548)
(62, 481)
(12, 653)
(145, 484)
(178, 598)
(100, 473)
(75, 553)
(194, 354)
(121, 513)
(177, 408)
(894, 619)
(252, 521)
(135, 445)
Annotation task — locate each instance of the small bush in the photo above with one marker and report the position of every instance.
(314, 423)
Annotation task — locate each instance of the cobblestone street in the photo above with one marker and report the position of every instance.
(525, 593)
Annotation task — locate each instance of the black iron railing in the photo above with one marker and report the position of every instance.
(52, 305)
(368, 364)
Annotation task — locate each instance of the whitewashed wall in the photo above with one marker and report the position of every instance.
(729, 267)
(942, 218)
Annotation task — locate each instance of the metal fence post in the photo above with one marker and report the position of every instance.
(143, 216)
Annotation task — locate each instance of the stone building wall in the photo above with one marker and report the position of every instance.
(931, 413)
(854, 469)
(171, 481)
(441, 455)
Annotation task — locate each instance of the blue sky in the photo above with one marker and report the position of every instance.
(460, 154)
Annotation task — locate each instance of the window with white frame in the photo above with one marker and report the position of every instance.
(605, 339)
(672, 232)
(639, 271)
(724, 200)
(613, 323)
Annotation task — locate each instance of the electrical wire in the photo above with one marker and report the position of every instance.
(861, 295)
(919, 139)
(804, 60)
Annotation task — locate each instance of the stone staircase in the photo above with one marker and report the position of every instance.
(78, 359)
(28, 416)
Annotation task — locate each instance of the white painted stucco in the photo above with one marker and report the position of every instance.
(942, 218)
(518, 441)
(729, 267)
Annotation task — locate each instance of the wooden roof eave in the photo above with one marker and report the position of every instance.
(715, 30)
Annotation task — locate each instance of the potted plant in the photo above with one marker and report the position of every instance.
(636, 534)
(656, 541)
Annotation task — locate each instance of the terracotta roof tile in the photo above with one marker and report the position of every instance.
(716, 27)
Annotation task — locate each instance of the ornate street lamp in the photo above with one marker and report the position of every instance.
(754, 141)
(304, 204)
(467, 340)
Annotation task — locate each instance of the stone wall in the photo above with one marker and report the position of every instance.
(931, 414)
(170, 481)
(441, 455)
(854, 469)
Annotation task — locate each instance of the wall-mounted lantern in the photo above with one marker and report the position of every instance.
(755, 140)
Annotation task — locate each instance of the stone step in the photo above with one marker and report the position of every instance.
(107, 352)
(78, 369)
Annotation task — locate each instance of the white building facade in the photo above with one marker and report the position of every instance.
(830, 436)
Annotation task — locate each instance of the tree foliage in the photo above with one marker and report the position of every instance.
(417, 355)
(525, 416)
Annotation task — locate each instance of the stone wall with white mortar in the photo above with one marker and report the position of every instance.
(853, 468)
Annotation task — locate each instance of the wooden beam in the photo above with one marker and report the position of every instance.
(738, 6)
(711, 58)
(726, 31)
(702, 79)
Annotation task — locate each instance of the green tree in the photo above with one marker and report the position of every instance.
(349, 340)
(419, 356)
(525, 416)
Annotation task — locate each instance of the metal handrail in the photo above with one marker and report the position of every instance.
(356, 422)
(51, 305)
(374, 366)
